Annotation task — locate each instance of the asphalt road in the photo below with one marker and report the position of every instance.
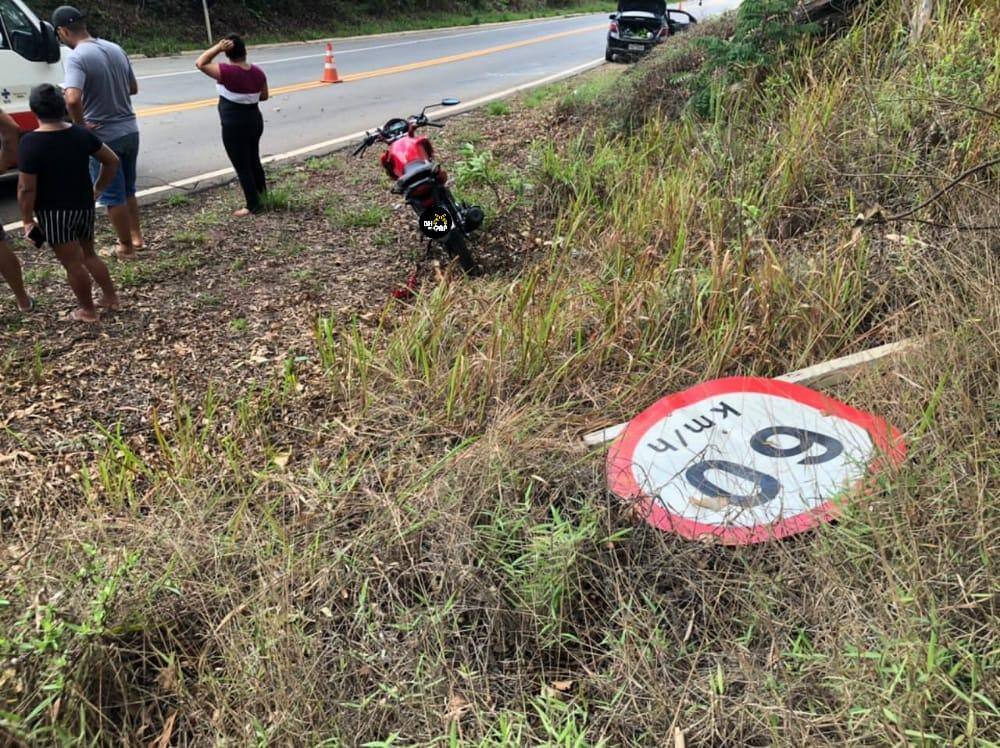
(385, 76)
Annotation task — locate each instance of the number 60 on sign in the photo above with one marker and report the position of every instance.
(745, 460)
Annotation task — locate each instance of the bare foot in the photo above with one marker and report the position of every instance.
(82, 315)
(123, 255)
(116, 253)
(112, 304)
(241, 213)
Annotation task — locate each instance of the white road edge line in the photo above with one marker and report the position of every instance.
(327, 146)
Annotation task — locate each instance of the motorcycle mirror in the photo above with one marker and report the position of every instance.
(450, 102)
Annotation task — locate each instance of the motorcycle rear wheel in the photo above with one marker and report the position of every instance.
(457, 247)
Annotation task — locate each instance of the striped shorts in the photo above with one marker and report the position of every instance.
(65, 226)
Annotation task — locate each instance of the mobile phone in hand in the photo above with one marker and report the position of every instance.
(36, 237)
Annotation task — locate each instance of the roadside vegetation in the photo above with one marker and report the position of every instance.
(164, 27)
(298, 512)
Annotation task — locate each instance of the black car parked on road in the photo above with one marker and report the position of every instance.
(639, 25)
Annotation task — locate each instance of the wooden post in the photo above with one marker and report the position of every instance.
(921, 15)
(820, 375)
(208, 20)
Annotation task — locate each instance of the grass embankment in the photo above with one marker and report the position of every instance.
(165, 28)
(393, 538)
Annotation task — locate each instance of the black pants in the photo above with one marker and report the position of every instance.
(242, 128)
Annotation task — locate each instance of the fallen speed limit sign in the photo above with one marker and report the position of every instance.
(745, 460)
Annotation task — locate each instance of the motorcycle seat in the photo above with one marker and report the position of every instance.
(416, 172)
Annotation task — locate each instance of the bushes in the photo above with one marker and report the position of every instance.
(762, 28)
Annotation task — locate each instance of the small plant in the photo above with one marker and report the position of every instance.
(127, 274)
(498, 108)
(279, 198)
(38, 364)
(39, 277)
(191, 237)
(178, 200)
(538, 96)
(208, 300)
(348, 218)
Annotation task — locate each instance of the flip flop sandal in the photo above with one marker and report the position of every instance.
(31, 306)
(74, 316)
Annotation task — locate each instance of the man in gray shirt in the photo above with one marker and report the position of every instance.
(99, 87)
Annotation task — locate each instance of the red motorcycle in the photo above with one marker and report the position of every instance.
(423, 183)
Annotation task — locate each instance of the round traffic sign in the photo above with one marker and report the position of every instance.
(744, 460)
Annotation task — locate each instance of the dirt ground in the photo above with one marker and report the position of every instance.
(221, 302)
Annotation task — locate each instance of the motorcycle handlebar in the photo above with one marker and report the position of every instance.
(421, 121)
(371, 139)
(367, 143)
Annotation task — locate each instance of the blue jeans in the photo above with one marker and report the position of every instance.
(122, 186)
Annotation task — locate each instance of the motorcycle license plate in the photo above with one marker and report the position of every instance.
(436, 222)
(635, 47)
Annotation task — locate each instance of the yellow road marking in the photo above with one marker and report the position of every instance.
(295, 87)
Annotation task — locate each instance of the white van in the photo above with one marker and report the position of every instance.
(30, 54)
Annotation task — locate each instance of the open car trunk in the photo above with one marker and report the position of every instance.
(638, 27)
(653, 7)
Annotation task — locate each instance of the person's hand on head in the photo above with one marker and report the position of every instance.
(226, 44)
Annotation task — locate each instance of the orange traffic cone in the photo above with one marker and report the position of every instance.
(330, 67)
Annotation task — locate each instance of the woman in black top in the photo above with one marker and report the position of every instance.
(56, 196)
(241, 88)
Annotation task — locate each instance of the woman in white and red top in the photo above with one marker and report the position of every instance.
(241, 88)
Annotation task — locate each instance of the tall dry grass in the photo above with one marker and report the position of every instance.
(397, 541)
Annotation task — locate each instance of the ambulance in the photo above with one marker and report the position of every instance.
(30, 54)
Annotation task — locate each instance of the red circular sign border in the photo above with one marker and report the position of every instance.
(886, 438)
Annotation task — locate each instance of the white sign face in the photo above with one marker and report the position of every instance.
(745, 460)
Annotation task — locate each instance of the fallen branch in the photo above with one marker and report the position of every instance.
(964, 175)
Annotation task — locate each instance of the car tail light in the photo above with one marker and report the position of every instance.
(614, 27)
